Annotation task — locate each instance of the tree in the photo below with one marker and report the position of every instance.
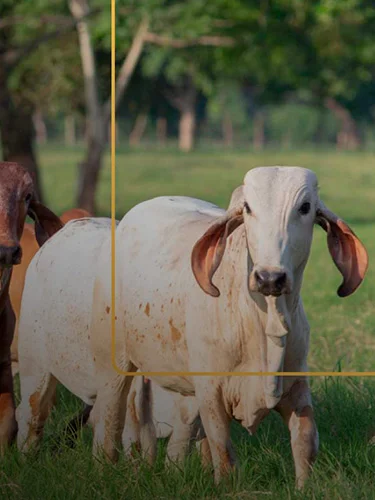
(343, 37)
(136, 22)
(25, 30)
(186, 63)
(320, 51)
(98, 115)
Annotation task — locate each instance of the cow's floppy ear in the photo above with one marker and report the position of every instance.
(208, 251)
(46, 222)
(347, 251)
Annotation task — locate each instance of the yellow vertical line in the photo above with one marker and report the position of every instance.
(113, 180)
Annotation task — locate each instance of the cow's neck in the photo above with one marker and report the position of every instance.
(267, 324)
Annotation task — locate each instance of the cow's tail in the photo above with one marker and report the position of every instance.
(146, 422)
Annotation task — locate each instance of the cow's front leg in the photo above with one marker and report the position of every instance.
(8, 424)
(108, 414)
(296, 410)
(216, 423)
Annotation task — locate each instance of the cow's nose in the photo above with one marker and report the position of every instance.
(271, 282)
(10, 256)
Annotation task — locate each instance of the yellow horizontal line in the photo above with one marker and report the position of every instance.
(245, 374)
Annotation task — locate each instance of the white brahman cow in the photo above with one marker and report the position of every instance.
(171, 317)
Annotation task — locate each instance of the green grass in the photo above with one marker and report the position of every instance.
(342, 338)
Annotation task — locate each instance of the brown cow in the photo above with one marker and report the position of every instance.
(17, 200)
(29, 246)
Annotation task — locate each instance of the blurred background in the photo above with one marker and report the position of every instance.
(219, 77)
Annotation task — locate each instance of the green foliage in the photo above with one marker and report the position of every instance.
(227, 97)
(324, 48)
(184, 21)
(49, 76)
(344, 40)
(298, 124)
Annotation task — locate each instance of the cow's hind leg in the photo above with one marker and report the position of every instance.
(186, 425)
(37, 393)
(179, 444)
(108, 414)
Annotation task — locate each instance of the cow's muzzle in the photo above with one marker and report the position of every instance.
(10, 255)
(273, 282)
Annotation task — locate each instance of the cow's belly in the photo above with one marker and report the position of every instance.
(72, 364)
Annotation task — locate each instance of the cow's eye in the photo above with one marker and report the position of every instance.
(304, 209)
(247, 208)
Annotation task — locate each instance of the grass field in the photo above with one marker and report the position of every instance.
(342, 338)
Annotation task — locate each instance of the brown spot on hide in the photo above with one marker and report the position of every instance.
(34, 403)
(176, 334)
(147, 309)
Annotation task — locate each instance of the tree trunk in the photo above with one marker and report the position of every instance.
(161, 130)
(17, 137)
(40, 127)
(259, 131)
(348, 136)
(98, 117)
(128, 66)
(17, 133)
(184, 98)
(227, 128)
(88, 175)
(186, 129)
(70, 130)
(138, 130)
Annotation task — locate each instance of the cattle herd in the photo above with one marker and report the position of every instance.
(198, 289)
